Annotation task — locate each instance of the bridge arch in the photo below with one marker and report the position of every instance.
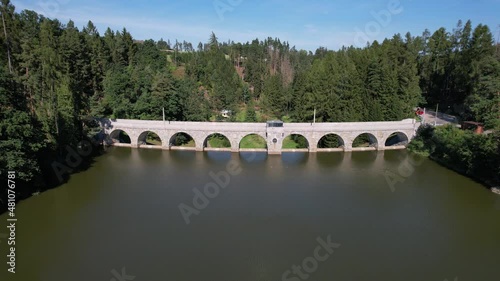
(149, 138)
(182, 139)
(295, 141)
(365, 140)
(120, 136)
(330, 141)
(252, 141)
(397, 138)
(217, 141)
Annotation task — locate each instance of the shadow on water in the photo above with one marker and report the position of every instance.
(217, 157)
(294, 158)
(152, 155)
(182, 157)
(330, 160)
(120, 153)
(56, 170)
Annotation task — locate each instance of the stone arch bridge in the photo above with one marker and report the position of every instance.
(378, 133)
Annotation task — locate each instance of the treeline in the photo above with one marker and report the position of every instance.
(473, 155)
(372, 84)
(457, 70)
(55, 77)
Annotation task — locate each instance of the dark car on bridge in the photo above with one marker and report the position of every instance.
(275, 124)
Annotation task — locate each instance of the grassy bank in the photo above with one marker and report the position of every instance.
(218, 141)
(295, 142)
(253, 142)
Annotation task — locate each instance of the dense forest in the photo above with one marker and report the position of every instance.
(55, 77)
(473, 155)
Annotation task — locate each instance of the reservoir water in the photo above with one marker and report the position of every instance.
(329, 216)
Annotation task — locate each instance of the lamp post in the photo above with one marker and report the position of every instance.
(437, 108)
(164, 117)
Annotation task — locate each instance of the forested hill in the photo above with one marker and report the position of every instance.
(54, 75)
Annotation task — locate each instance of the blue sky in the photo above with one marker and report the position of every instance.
(304, 24)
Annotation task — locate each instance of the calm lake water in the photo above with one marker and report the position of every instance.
(120, 220)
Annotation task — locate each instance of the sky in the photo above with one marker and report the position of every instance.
(304, 24)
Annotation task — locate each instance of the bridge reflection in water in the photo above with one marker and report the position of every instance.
(319, 137)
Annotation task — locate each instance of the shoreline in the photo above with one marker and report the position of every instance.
(484, 182)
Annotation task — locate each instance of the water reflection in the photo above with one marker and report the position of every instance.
(217, 157)
(295, 158)
(183, 157)
(330, 160)
(395, 157)
(120, 153)
(255, 158)
(264, 221)
(364, 159)
(153, 155)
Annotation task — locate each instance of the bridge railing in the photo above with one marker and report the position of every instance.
(352, 126)
(344, 126)
(139, 123)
